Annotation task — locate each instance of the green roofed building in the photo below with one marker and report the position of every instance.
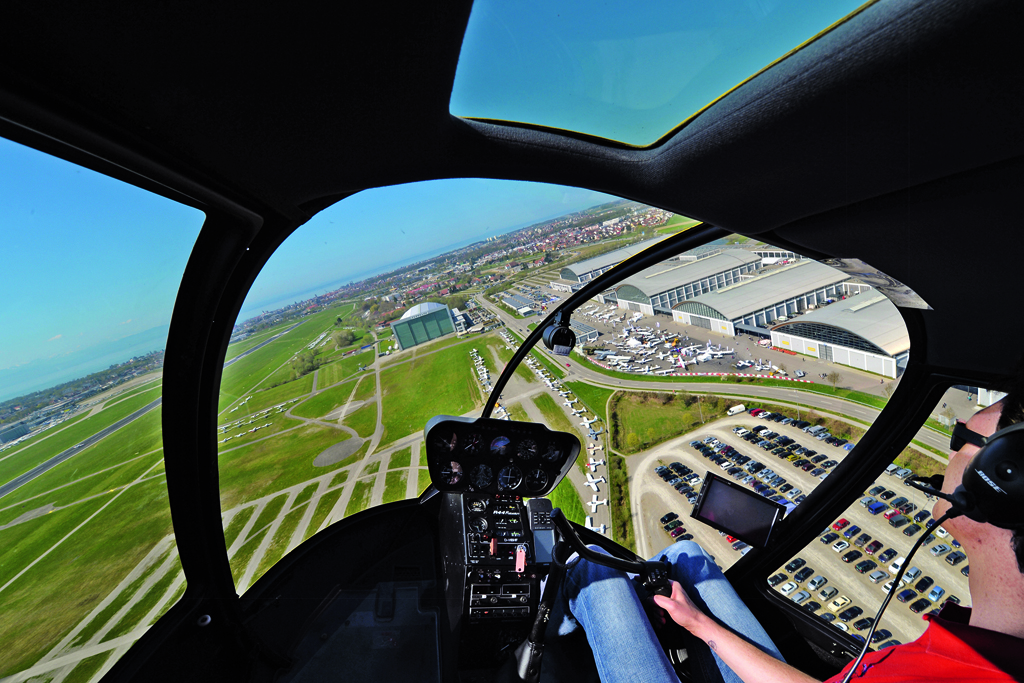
(422, 323)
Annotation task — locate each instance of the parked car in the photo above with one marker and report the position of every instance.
(839, 603)
(801, 597)
(920, 606)
(866, 566)
(788, 588)
(873, 547)
(956, 557)
(795, 564)
(816, 583)
(803, 574)
(939, 549)
(878, 576)
(827, 593)
(850, 613)
(851, 556)
(906, 595)
(829, 538)
(887, 555)
(840, 546)
(777, 579)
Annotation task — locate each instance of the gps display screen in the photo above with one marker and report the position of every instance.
(736, 510)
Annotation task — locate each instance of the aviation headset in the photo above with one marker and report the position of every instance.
(992, 487)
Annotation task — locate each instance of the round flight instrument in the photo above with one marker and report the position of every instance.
(478, 524)
(477, 505)
(536, 479)
(528, 449)
(451, 473)
(552, 453)
(509, 478)
(481, 476)
(472, 444)
(500, 445)
(445, 442)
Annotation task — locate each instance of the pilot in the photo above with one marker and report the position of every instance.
(726, 642)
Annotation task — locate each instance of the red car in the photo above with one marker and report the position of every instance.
(841, 524)
(873, 547)
(677, 531)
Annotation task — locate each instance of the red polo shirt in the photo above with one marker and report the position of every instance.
(949, 650)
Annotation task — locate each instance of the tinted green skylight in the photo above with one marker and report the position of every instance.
(625, 71)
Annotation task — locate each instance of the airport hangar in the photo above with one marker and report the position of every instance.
(587, 270)
(865, 332)
(422, 323)
(658, 289)
(752, 305)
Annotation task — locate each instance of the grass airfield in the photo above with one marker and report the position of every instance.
(101, 520)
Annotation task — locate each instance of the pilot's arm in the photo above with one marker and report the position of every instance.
(746, 660)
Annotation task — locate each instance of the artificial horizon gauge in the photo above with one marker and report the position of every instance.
(451, 473)
(478, 524)
(536, 479)
(509, 478)
(481, 476)
(500, 445)
(528, 449)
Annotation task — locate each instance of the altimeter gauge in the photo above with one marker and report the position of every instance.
(528, 449)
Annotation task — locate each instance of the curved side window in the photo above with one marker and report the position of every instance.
(89, 557)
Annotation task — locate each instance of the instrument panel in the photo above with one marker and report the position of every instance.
(497, 456)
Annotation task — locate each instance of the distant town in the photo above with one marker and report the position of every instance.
(444, 278)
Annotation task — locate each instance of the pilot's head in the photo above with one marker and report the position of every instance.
(987, 546)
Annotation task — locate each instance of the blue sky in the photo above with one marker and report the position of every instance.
(93, 265)
(379, 229)
(628, 71)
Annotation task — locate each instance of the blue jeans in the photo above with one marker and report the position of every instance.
(624, 645)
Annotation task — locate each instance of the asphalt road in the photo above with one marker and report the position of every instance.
(23, 479)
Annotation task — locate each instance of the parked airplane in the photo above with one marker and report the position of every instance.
(594, 464)
(586, 423)
(592, 482)
(599, 528)
(594, 502)
(569, 403)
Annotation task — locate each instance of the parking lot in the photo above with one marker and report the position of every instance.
(658, 498)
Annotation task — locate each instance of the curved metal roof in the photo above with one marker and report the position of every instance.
(870, 316)
(668, 276)
(420, 309)
(769, 289)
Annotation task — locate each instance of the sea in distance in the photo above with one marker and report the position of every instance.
(251, 310)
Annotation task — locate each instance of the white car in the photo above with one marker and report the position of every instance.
(888, 585)
(788, 588)
(840, 546)
(894, 568)
(941, 533)
(841, 626)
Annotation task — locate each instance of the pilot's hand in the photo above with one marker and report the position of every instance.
(679, 606)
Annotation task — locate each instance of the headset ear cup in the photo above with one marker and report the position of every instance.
(993, 481)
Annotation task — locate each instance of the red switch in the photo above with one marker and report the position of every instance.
(520, 558)
(494, 547)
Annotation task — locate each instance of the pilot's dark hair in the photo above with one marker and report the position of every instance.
(1012, 413)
